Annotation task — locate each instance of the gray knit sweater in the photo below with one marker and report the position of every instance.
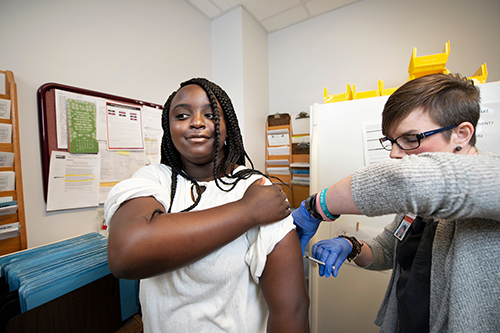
(462, 192)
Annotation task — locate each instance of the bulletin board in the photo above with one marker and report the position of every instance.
(47, 117)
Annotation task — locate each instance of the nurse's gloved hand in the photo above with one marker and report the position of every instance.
(306, 225)
(333, 252)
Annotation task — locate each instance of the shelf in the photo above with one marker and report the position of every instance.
(300, 193)
(298, 158)
(19, 242)
(285, 178)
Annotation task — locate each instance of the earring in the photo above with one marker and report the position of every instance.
(458, 148)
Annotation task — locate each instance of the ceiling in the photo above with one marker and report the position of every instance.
(272, 15)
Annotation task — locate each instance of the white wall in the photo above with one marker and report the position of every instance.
(372, 40)
(227, 57)
(138, 49)
(240, 67)
(256, 83)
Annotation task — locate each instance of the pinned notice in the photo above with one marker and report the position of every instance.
(124, 123)
(82, 127)
(73, 181)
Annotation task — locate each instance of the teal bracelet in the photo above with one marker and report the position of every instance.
(322, 203)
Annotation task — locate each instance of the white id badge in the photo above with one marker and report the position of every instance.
(404, 226)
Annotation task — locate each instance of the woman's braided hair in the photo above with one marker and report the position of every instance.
(234, 152)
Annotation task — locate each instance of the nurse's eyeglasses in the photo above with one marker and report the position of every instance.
(410, 141)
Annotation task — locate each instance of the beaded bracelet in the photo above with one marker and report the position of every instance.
(356, 247)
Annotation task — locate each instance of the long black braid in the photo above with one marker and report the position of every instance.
(234, 151)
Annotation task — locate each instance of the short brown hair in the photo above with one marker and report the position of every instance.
(449, 99)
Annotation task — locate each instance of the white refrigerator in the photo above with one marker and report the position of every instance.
(344, 137)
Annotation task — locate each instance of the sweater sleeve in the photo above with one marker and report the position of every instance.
(439, 185)
(383, 246)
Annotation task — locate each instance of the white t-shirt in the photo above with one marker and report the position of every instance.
(218, 293)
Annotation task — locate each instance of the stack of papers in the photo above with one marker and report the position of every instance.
(278, 162)
(44, 273)
(7, 180)
(300, 175)
(278, 142)
(9, 230)
(300, 123)
(5, 108)
(280, 150)
(8, 207)
(5, 133)
(278, 170)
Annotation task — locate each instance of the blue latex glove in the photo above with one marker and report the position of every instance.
(333, 252)
(306, 225)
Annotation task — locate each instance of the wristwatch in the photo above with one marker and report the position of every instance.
(310, 204)
(356, 247)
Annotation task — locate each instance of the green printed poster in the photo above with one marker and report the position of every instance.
(81, 127)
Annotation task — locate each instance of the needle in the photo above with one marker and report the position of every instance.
(316, 260)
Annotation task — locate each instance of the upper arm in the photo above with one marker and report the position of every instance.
(126, 228)
(439, 185)
(284, 287)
